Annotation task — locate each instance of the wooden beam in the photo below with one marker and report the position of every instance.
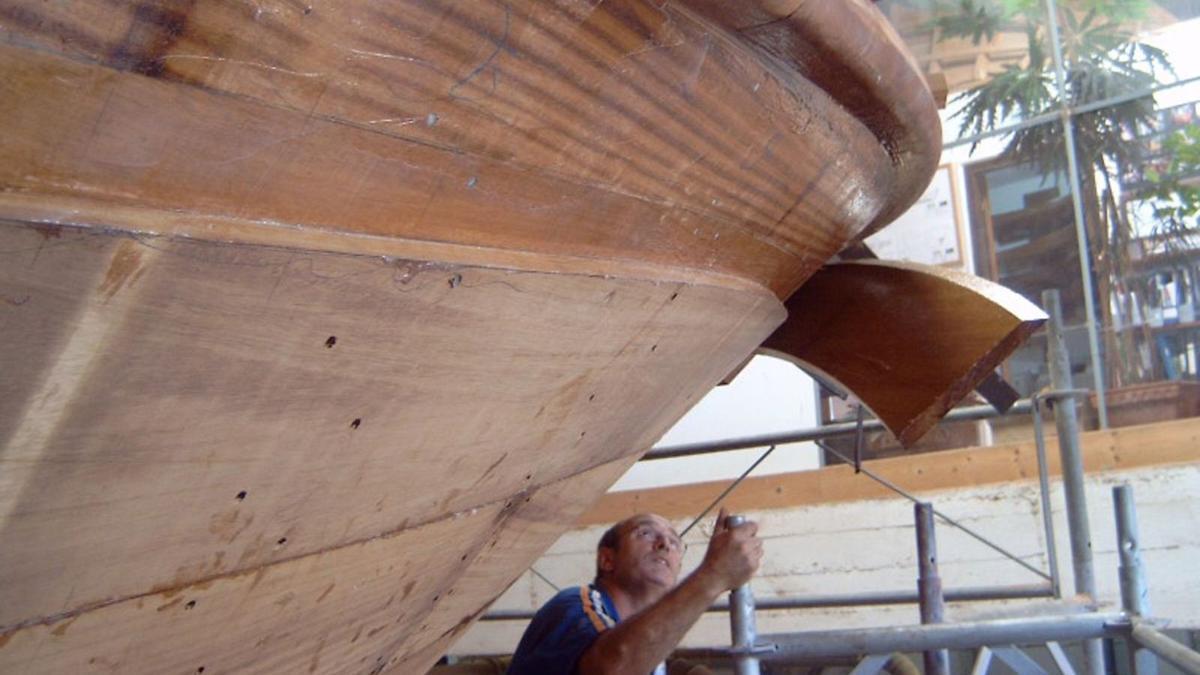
(909, 340)
(1176, 442)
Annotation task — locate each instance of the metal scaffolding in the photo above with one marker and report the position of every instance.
(1000, 638)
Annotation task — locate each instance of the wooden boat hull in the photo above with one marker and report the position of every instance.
(321, 322)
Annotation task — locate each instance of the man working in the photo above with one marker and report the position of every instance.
(633, 615)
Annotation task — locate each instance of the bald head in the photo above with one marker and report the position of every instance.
(650, 523)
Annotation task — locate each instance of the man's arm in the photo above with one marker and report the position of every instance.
(638, 644)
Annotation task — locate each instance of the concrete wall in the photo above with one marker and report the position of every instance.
(869, 545)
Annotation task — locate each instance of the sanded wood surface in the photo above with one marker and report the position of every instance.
(179, 412)
(908, 340)
(392, 602)
(1165, 443)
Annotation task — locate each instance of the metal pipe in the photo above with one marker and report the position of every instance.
(741, 619)
(1085, 260)
(1072, 469)
(971, 635)
(1171, 651)
(1133, 581)
(965, 413)
(726, 491)
(929, 586)
(541, 576)
(1085, 272)
(1039, 436)
(906, 597)
(1134, 592)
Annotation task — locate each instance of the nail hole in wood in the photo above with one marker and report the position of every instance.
(330, 342)
(200, 669)
(355, 424)
(241, 496)
(189, 604)
(282, 541)
(455, 281)
(592, 397)
(675, 295)
(653, 347)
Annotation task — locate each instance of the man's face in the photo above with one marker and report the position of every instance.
(649, 554)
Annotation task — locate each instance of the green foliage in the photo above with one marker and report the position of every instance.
(1177, 189)
(1101, 61)
(979, 19)
(971, 19)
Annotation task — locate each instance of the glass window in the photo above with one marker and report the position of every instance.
(1130, 80)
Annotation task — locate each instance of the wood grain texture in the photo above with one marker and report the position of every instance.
(656, 134)
(852, 53)
(908, 340)
(1165, 443)
(393, 602)
(177, 411)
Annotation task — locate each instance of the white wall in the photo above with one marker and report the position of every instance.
(770, 395)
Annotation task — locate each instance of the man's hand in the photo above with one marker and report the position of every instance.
(638, 643)
(733, 555)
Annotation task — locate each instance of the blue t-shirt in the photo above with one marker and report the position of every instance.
(562, 630)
